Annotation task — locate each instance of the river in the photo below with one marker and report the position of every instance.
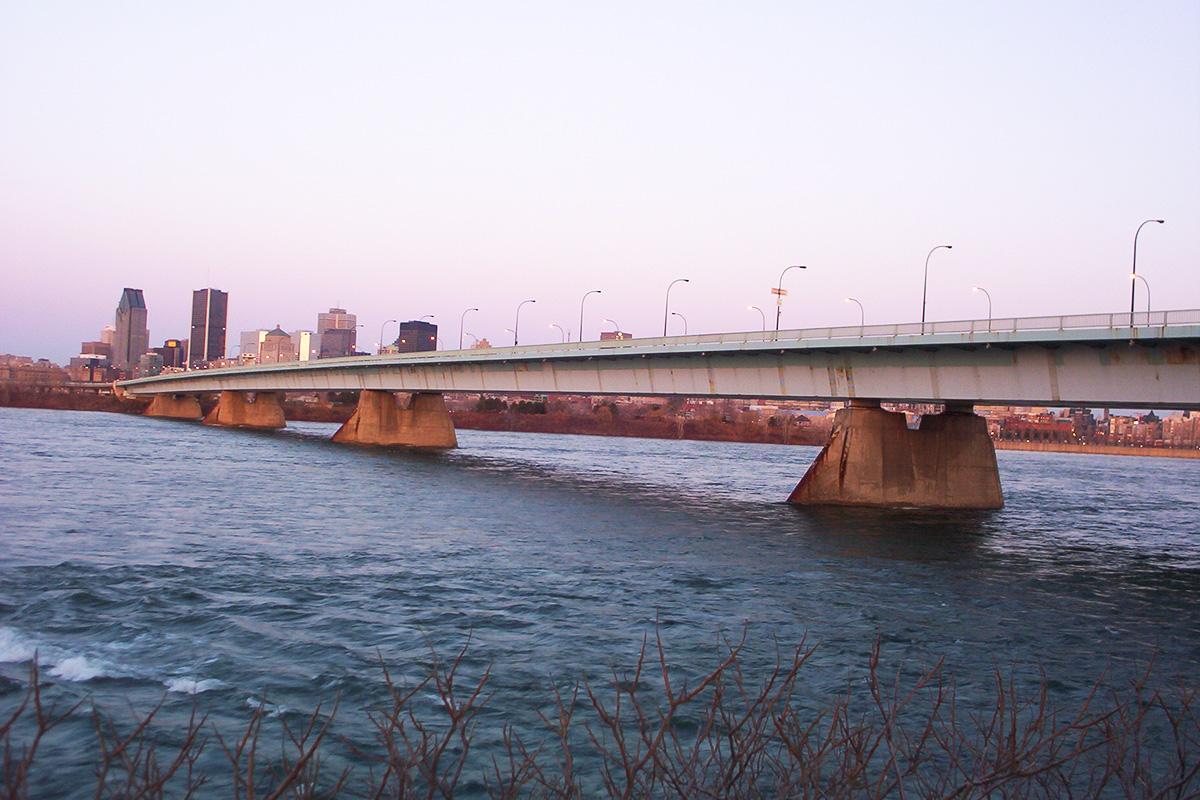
(146, 558)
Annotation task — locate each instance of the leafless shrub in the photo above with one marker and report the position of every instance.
(652, 732)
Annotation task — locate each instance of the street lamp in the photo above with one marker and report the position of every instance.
(682, 317)
(616, 327)
(760, 314)
(517, 324)
(862, 315)
(779, 292)
(560, 330)
(585, 297)
(988, 295)
(1134, 277)
(925, 284)
(474, 339)
(381, 327)
(462, 319)
(667, 306)
(1133, 287)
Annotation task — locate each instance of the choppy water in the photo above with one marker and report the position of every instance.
(141, 557)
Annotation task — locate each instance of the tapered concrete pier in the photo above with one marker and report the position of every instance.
(175, 406)
(259, 410)
(379, 420)
(873, 459)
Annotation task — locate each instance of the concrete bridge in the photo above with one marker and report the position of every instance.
(1143, 360)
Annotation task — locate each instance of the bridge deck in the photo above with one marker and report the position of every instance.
(1094, 360)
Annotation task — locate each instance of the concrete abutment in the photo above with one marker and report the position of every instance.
(175, 406)
(874, 459)
(258, 410)
(379, 420)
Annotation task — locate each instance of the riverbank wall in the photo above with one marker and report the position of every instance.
(602, 420)
(1098, 449)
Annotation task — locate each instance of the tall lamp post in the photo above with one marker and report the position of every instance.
(517, 324)
(381, 327)
(461, 320)
(1133, 286)
(581, 301)
(779, 292)
(760, 314)
(988, 295)
(925, 284)
(862, 315)
(667, 306)
(616, 327)
(1134, 277)
(682, 317)
(561, 332)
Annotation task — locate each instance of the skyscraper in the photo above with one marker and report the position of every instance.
(131, 337)
(210, 308)
(343, 344)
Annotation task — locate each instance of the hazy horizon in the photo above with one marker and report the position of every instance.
(399, 161)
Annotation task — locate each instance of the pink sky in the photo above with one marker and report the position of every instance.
(410, 159)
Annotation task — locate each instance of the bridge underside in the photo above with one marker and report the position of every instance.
(872, 458)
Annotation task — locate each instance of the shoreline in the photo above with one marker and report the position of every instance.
(651, 427)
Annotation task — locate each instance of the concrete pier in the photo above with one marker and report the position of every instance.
(873, 459)
(379, 420)
(175, 406)
(260, 410)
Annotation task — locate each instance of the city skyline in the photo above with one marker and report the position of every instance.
(720, 146)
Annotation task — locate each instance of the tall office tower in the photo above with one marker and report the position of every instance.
(210, 307)
(106, 334)
(131, 336)
(340, 344)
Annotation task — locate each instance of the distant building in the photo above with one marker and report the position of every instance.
(149, 364)
(106, 334)
(481, 344)
(416, 336)
(210, 310)
(173, 353)
(277, 347)
(101, 349)
(308, 345)
(131, 336)
(337, 342)
(606, 336)
(341, 344)
(250, 343)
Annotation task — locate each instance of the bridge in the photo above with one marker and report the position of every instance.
(1142, 360)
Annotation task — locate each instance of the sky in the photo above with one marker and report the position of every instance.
(403, 159)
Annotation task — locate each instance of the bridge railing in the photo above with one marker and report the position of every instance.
(1144, 323)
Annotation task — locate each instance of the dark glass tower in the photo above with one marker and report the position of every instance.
(210, 309)
(131, 339)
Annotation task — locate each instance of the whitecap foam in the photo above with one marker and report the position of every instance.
(14, 648)
(76, 668)
(186, 685)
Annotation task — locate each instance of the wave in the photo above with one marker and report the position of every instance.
(77, 668)
(14, 648)
(187, 685)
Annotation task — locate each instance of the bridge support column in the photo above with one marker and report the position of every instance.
(379, 420)
(175, 406)
(261, 410)
(873, 459)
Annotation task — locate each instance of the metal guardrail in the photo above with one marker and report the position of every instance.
(1144, 323)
